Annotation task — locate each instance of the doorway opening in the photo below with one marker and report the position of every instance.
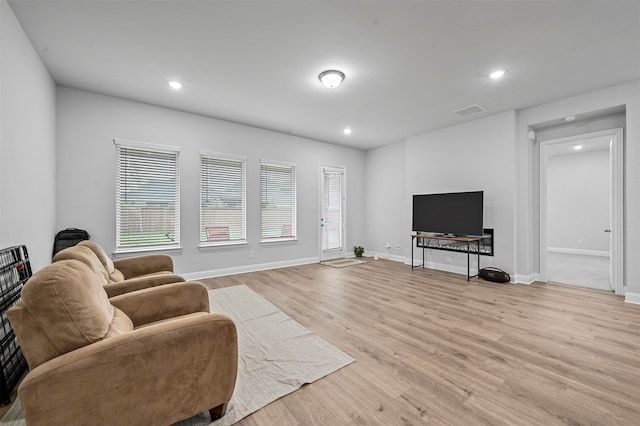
(581, 208)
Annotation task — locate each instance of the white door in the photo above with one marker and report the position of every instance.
(332, 212)
(556, 263)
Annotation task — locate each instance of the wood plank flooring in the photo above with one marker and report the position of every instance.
(433, 349)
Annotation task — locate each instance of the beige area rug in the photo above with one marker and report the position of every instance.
(341, 263)
(277, 356)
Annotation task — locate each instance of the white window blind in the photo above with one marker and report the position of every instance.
(222, 199)
(147, 196)
(278, 201)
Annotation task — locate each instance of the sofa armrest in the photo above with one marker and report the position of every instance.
(159, 303)
(154, 375)
(134, 284)
(132, 267)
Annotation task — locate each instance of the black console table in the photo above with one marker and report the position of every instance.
(465, 240)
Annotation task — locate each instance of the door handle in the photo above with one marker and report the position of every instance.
(607, 230)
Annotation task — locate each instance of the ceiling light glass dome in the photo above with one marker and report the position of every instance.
(331, 78)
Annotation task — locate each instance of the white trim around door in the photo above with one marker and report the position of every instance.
(616, 202)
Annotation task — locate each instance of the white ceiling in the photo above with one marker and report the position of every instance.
(408, 64)
(600, 143)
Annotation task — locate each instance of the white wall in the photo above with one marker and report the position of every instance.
(474, 156)
(386, 204)
(27, 144)
(478, 155)
(578, 201)
(88, 123)
(527, 219)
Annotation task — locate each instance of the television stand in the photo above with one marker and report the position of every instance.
(461, 239)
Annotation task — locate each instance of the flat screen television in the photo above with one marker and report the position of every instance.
(453, 213)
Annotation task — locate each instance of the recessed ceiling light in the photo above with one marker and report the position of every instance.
(331, 78)
(570, 118)
(577, 146)
(496, 74)
(175, 85)
(347, 131)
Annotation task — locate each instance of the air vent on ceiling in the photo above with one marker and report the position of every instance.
(470, 110)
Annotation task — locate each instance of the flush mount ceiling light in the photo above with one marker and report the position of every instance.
(347, 131)
(175, 85)
(496, 74)
(570, 118)
(577, 146)
(331, 78)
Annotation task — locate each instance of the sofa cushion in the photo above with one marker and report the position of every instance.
(121, 324)
(69, 305)
(104, 259)
(116, 276)
(88, 257)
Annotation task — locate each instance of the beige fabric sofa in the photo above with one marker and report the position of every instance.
(133, 267)
(149, 357)
(123, 275)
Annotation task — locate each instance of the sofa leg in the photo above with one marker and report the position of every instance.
(218, 412)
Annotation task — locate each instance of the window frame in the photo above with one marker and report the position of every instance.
(121, 144)
(224, 157)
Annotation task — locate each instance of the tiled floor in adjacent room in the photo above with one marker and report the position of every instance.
(578, 269)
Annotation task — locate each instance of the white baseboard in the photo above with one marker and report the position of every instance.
(515, 279)
(527, 279)
(247, 268)
(394, 257)
(462, 270)
(407, 261)
(449, 268)
(630, 297)
(212, 273)
(578, 251)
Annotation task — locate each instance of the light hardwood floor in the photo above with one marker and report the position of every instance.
(433, 349)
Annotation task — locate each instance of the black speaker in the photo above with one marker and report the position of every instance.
(494, 274)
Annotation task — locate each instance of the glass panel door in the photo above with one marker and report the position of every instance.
(332, 212)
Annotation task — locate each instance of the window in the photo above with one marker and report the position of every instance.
(222, 199)
(332, 208)
(277, 201)
(147, 196)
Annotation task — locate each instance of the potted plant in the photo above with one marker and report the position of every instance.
(358, 251)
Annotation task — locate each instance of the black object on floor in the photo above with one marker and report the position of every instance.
(67, 238)
(494, 274)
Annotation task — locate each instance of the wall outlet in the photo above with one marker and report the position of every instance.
(398, 246)
(252, 253)
(448, 259)
(388, 246)
(579, 242)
